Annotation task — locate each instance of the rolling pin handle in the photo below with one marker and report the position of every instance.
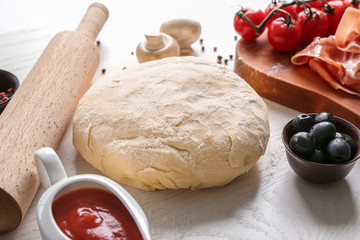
(49, 166)
(93, 20)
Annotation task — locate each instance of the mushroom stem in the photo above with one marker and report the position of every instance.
(157, 46)
(154, 41)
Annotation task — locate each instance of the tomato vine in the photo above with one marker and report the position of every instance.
(259, 28)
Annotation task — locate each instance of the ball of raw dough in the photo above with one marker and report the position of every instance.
(180, 122)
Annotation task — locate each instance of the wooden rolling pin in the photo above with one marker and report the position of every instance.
(42, 108)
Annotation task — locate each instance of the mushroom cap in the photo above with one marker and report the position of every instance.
(185, 31)
(157, 46)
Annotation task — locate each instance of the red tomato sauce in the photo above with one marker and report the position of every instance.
(93, 214)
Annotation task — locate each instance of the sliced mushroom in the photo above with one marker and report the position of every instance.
(185, 31)
(157, 46)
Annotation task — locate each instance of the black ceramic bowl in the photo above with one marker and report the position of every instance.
(7, 80)
(322, 172)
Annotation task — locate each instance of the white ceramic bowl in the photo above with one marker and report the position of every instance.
(54, 178)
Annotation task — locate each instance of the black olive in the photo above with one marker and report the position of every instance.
(319, 156)
(350, 141)
(339, 135)
(322, 133)
(324, 117)
(302, 123)
(302, 144)
(339, 150)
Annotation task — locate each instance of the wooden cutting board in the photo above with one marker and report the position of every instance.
(274, 77)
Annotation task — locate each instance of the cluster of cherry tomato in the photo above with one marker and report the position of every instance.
(290, 23)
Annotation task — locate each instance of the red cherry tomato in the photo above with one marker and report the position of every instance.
(336, 15)
(316, 4)
(298, 9)
(243, 28)
(284, 37)
(293, 10)
(349, 3)
(317, 25)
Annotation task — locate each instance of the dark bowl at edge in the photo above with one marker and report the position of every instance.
(7, 80)
(321, 172)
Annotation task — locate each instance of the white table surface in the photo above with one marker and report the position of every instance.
(269, 202)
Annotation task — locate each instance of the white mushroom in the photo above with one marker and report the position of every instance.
(157, 46)
(185, 31)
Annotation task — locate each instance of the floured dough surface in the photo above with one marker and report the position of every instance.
(180, 122)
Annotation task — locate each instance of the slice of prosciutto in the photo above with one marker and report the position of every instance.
(347, 36)
(337, 58)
